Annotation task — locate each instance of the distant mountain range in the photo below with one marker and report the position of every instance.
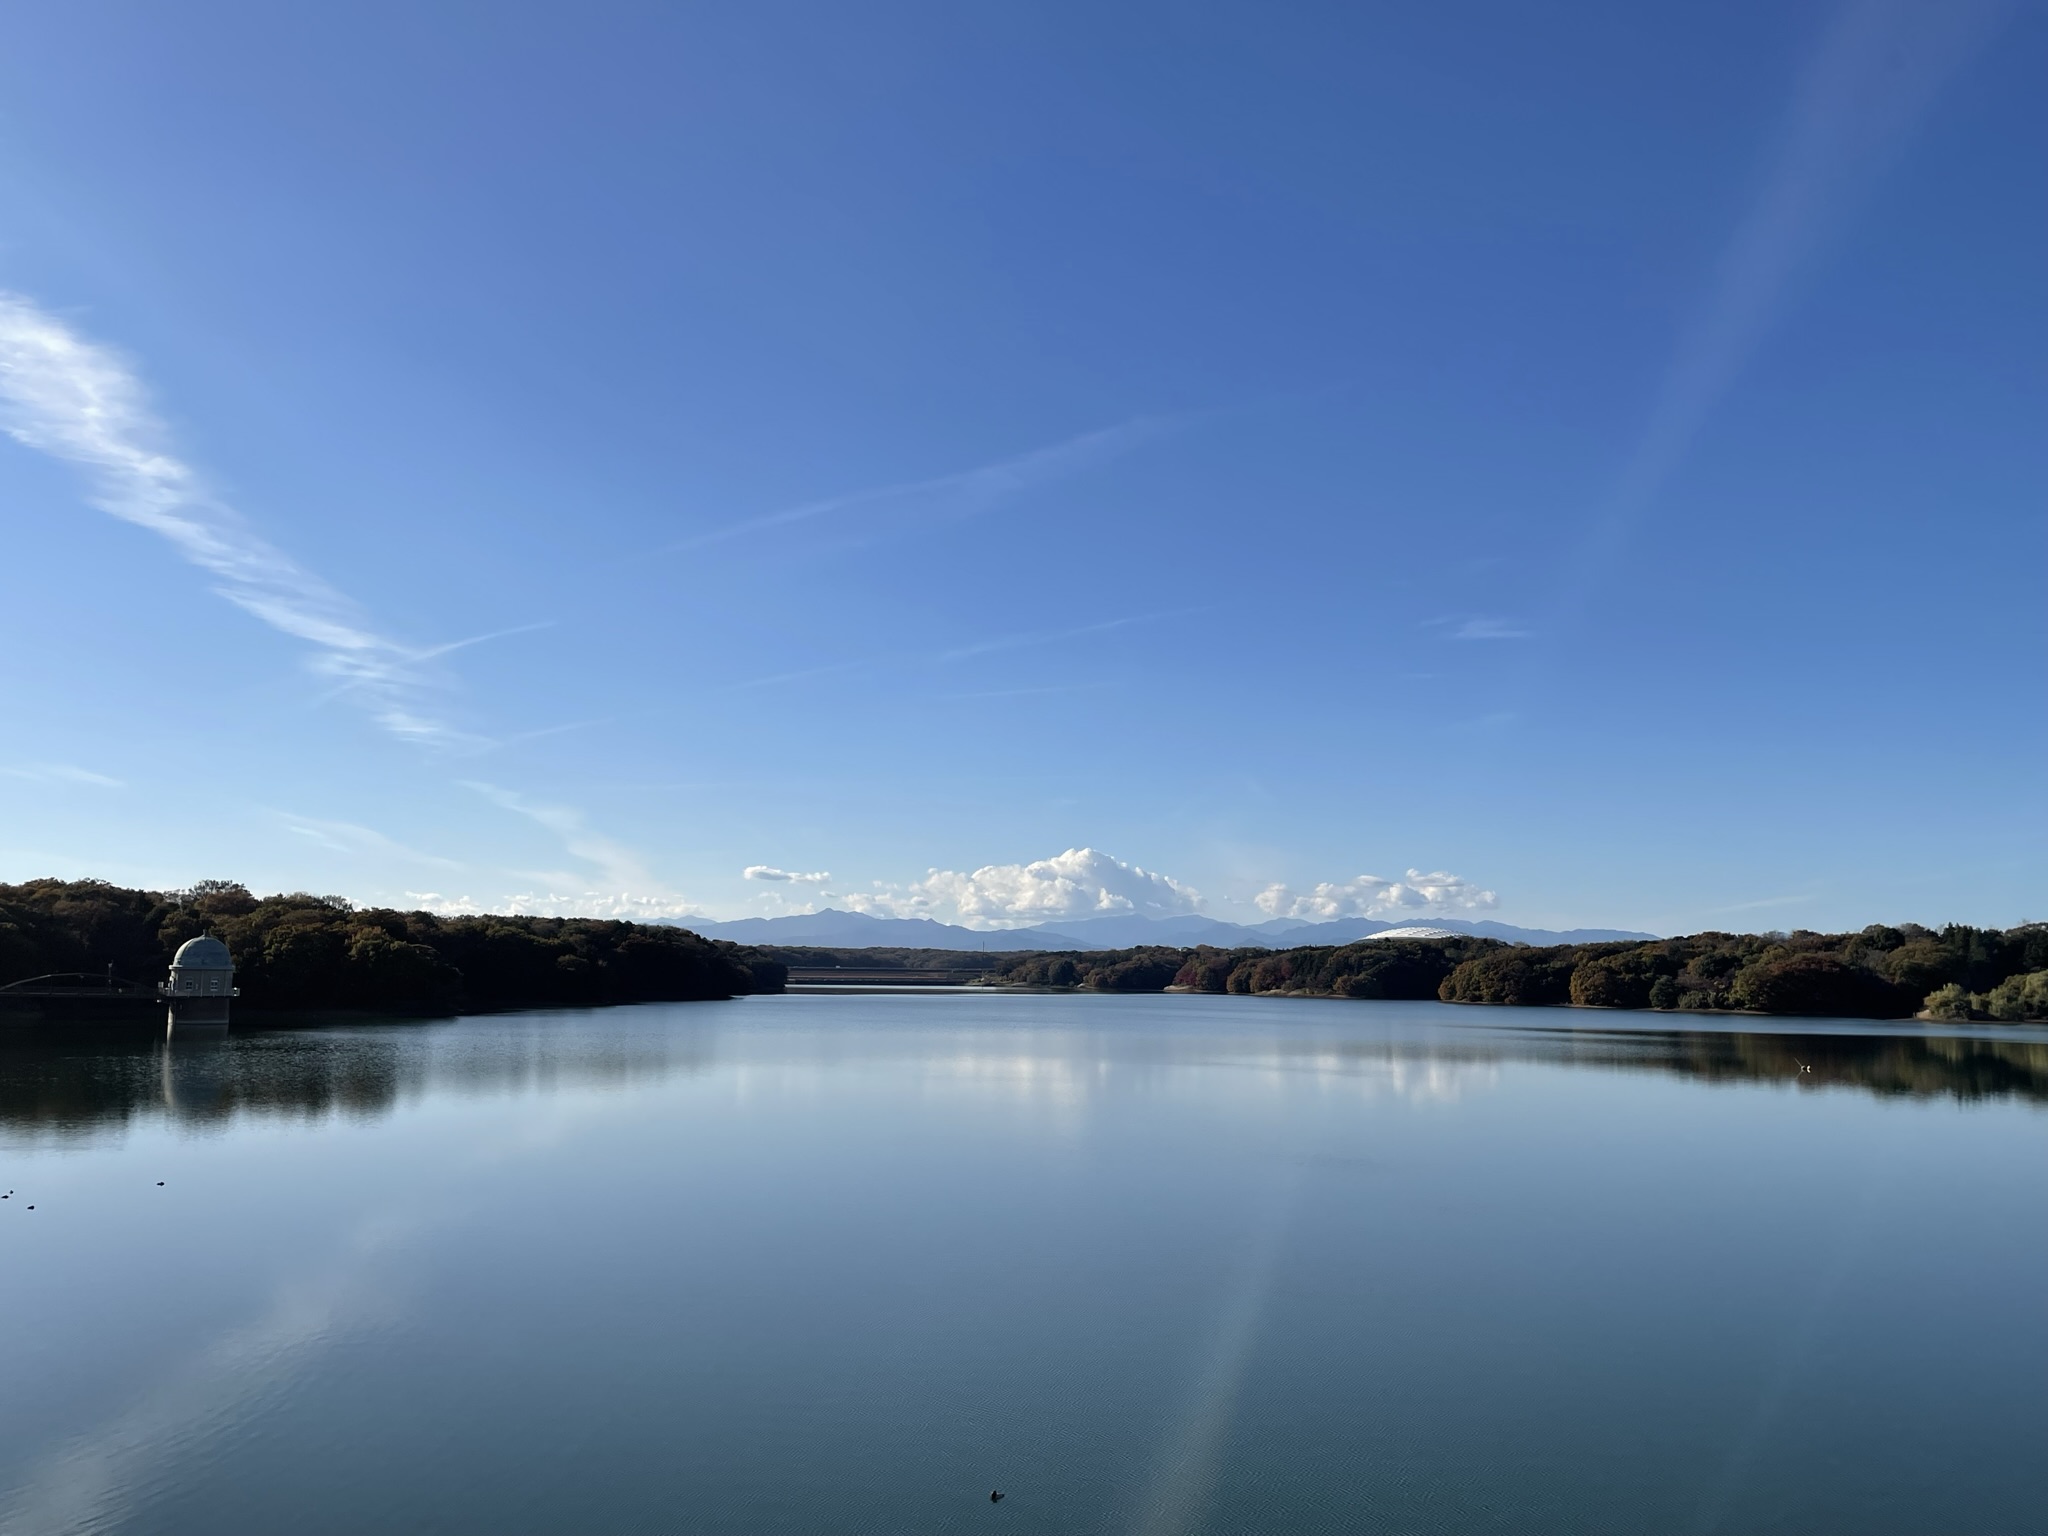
(833, 929)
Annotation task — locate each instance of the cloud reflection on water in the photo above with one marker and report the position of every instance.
(70, 1085)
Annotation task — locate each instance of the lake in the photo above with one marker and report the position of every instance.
(1149, 1265)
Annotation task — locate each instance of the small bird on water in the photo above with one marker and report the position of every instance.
(995, 1496)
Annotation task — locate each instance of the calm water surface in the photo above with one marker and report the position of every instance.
(1149, 1264)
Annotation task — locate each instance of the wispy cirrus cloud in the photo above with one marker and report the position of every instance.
(916, 660)
(1490, 629)
(992, 645)
(1478, 626)
(62, 773)
(963, 493)
(615, 863)
(1022, 641)
(770, 872)
(1794, 899)
(616, 883)
(80, 402)
(1047, 689)
(347, 837)
(798, 675)
(433, 651)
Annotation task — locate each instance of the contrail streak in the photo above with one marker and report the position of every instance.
(1874, 77)
(972, 490)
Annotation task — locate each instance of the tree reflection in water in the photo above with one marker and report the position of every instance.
(74, 1082)
(1913, 1066)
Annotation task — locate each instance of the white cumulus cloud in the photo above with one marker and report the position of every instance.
(770, 872)
(1081, 882)
(1370, 896)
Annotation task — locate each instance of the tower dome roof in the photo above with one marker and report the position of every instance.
(204, 954)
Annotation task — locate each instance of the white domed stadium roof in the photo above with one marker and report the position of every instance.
(204, 954)
(1416, 931)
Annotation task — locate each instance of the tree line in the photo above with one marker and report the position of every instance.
(302, 951)
(1883, 972)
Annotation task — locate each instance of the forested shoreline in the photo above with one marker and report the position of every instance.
(1881, 972)
(305, 952)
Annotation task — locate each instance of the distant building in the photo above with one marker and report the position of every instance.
(202, 981)
(1417, 931)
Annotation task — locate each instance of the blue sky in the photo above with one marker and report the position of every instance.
(567, 457)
